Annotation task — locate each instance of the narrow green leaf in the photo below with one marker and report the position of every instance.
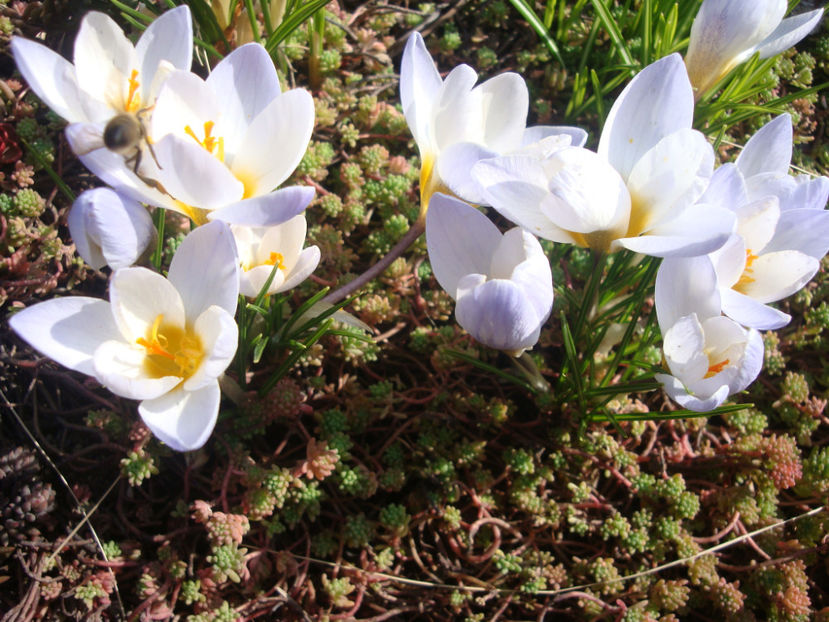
(292, 20)
(612, 29)
(538, 26)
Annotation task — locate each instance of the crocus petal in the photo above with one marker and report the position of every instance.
(730, 261)
(183, 419)
(420, 84)
(185, 101)
(219, 335)
(684, 348)
(109, 229)
(789, 32)
(520, 248)
(809, 193)
(306, 263)
(700, 229)
(769, 150)
(677, 392)
(252, 281)
(756, 222)
(724, 34)
(104, 59)
(668, 178)
(460, 240)
(458, 111)
(805, 230)
(168, 38)
(656, 103)
(726, 188)
(496, 314)
(68, 330)
(775, 276)
(286, 239)
(267, 210)
(138, 297)
(505, 104)
(751, 365)
(578, 137)
(750, 313)
(275, 142)
(194, 176)
(685, 286)
(204, 270)
(246, 82)
(51, 77)
(119, 366)
(455, 168)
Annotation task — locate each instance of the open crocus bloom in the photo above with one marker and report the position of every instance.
(638, 192)
(726, 33)
(709, 355)
(162, 341)
(456, 123)
(502, 284)
(263, 249)
(109, 229)
(109, 77)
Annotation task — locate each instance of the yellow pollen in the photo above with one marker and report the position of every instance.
(276, 259)
(133, 102)
(171, 351)
(214, 145)
(746, 277)
(713, 370)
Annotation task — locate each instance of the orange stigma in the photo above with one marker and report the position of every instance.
(133, 103)
(715, 369)
(210, 143)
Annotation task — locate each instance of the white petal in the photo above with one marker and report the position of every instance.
(677, 392)
(805, 230)
(756, 222)
(789, 32)
(764, 184)
(104, 59)
(497, 314)
(119, 366)
(245, 82)
(505, 104)
(725, 34)
(751, 364)
(193, 176)
(683, 287)
(185, 100)
(68, 330)
(778, 275)
(168, 38)
(307, 262)
(275, 142)
(219, 335)
(684, 348)
(51, 77)
(109, 229)
(286, 239)
(460, 240)
(810, 193)
(668, 178)
(252, 281)
(455, 170)
(769, 150)
(730, 261)
(267, 210)
(420, 84)
(523, 260)
(458, 113)
(577, 136)
(751, 313)
(657, 102)
(726, 188)
(700, 229)
(183, 419)
(138, 297)
(204, 270)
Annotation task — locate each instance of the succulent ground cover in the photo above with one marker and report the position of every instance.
(416, 475)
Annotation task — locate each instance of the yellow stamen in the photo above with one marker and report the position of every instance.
(214, 145)
(713, 370)
(133, 102)
(171, 351)
(276, 259)
(746, 277)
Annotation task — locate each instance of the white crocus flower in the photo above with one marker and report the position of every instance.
(638, 192)
(709, 355)
(109, 229)
(456, 123)
(227, 142)
(162, 341)
(263, 249)
(726, 33)
(109, 91)
(502, 284)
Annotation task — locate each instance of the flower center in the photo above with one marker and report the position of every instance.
(133, 101)
(746, 278)
(170, 350)
(276, 259)
(214, 145)
(716, 368)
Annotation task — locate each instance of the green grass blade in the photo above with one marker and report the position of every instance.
(538, 26)
(615, 34)
(291, 22)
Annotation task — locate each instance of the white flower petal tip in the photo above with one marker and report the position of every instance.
(502, 283)
(109, 229)
(184, 420)
(724, 35)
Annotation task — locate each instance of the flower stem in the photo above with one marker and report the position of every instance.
(374, 271)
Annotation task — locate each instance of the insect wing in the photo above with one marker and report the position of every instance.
(85, 137)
